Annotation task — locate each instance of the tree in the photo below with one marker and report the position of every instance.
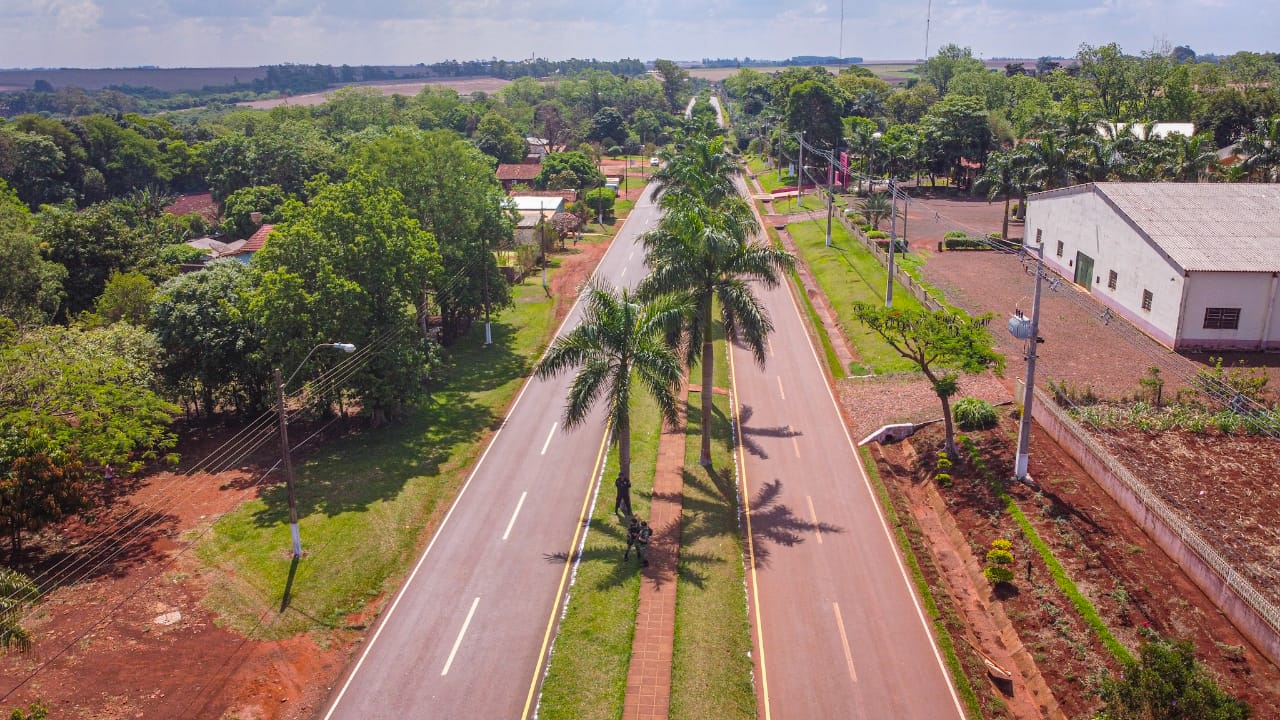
(211, 351)
(607, 127)
(1189, 159)
(1262, 148)
(601, 202)
(939, 343)
(956, 128)
(619, 341)
(90, 244)
(1002, 177)
(950, 60)
(238, 209)
(126, 297)
(497, 137)
(30, 286)
(450, 187)
(349, 266)
(1166, 683)
(17, 593)
(41, 481)
(1112, 76)
(675, 83)
(876, 207)
(705, 256)
(575, 162)
(1049, 161)
(812, 108)
(701, 168)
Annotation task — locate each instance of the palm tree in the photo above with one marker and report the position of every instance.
(1262, 148)
(619, 341)
(1003, 175)
(706, 256)
(1188, 159)
(700, 167)
(1049, 160)
(16, 593)
(876, 207)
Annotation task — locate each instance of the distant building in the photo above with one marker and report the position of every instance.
(1160, 130)
(512, 174)
(255, 243)
(538, 147)
(533, 210)
(1194, 265)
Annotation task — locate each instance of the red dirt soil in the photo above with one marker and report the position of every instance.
(102, 649)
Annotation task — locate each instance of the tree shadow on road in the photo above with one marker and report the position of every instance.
(750, 433)
(774, 523)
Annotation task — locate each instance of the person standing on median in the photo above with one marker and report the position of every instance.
(633, 533)
(642, 543)
(622, 503)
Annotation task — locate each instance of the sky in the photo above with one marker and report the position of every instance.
(213, 33)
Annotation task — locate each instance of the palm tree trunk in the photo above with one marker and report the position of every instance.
(624, 447)
(708, 380)
(1004, 230)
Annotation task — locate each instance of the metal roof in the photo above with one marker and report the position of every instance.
(1204, 227)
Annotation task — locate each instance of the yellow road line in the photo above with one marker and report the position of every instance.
(751, 546)
(564, 577)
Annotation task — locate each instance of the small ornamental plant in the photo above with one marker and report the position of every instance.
(999, 567)
(942, 476)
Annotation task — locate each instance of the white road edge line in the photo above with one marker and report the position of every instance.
(844, 640)
(813, 514)
(550, 435)
(623, 274)
(512, 522)
(781, 392)
(467, 623)
(422, 559)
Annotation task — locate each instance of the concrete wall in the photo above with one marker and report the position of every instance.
(1253, 293)
(1242, 604)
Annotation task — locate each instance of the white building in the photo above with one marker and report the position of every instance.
(1195, 265)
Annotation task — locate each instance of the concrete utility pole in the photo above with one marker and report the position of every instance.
(1028, 394)
(893, 242)
(831, 194)
(283, 418)
(800, 172)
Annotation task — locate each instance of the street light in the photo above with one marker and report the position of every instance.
(283, 419)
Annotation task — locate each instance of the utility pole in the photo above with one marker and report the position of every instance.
(831, 195)
(1028, 393)
(800, 172)
(484, 251)
(893, 242)
(283, 419)
(542, 243)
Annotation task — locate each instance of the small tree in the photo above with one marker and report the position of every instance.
(938, 343)
(17, 592)
(999, 567)
(1168, 684)
(876, 207)
(601, 202)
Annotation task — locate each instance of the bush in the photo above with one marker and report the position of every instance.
(963, 242)
(1168, 682)
(877, 234)
(954, 235)
(971, 413)
(999, 562)
(601, 202)
(943, 479)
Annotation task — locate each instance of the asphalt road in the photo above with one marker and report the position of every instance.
(838, 631)
(467, 634)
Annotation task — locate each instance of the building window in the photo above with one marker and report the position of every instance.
(1146, 299)
(1111, 279)
(1221, 318)
(1038, 233)
(1059, 248)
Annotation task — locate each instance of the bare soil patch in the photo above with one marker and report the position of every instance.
(464, 86)
(127, 636)
(1131, 582)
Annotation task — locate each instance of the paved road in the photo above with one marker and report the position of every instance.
(838, 631)
(466, 636)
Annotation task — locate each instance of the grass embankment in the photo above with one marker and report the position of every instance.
(847, 273)
(942, 636)
(711, 664)
(588, 674)
(364, 500)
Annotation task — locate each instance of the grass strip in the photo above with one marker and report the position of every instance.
(365, 500)
(943, 637)
(587, 677)
(711, 663)
(1060, 578)
(847, 273)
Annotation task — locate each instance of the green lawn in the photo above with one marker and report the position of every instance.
(848, 273)
(364, 500)
(588, 673)
(711, 664)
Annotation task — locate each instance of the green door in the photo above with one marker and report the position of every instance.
(1084, 271)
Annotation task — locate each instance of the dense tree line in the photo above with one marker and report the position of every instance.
(1059, 123)
(386, 211)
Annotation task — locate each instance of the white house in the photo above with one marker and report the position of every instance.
(1160, 130)
(1194, 265)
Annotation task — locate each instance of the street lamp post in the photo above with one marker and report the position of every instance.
(286, 459)
(871, 161)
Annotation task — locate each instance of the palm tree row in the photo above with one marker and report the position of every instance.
(702, 254)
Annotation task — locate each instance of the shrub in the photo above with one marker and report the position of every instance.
(944, 462)
(1168, 682)
(877, 234)
(601, 200)
(972, 413)
(866, 227)
(964, 242)
(954, 235)
(943, 479)
(999, 562)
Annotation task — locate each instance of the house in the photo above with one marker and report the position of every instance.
(512, 174)
(1194, 265)
(533, 210)
(538, 147)
(254, 243)
(215, 248)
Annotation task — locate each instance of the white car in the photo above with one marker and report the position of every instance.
(653, 162)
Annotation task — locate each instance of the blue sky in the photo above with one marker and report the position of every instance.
(169, 33)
